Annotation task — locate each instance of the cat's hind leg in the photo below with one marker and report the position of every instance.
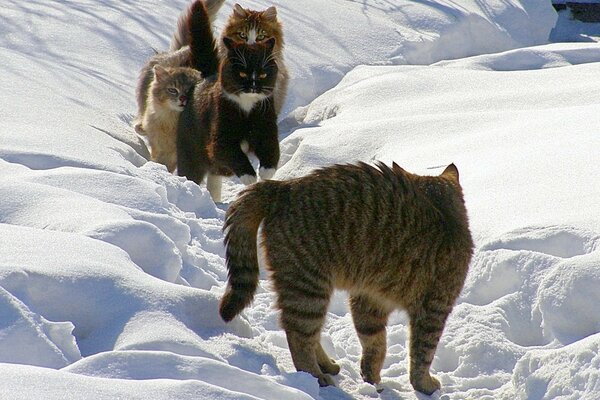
(303, 294)
(370, 319)
(427, 322)
(214, 184)
(327, 365)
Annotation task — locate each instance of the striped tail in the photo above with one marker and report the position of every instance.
(181, 37)
(243, 218)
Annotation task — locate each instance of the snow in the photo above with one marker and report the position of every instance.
(111, 269)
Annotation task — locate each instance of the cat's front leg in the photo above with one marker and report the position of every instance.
(267, 151)
(231, 155)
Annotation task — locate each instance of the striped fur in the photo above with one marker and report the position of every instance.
(392, 239)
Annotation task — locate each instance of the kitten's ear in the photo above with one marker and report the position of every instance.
(160, 72)
(270, 43)
(239, 11)
(270, 14)
(451, 172)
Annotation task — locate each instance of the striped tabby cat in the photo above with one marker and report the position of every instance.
(392, 239)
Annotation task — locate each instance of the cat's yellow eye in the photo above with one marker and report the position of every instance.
(260, 38)
(262, 76)
(243, 75)
(173, 91)
(242, 35)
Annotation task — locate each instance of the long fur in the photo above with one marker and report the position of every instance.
(182, 37)
(203, 46)
(241, 226)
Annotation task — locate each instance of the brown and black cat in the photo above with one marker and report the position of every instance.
(231, 113)
(167, 96)
(245, 26)
(392, 239)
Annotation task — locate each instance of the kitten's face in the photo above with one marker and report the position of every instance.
(172, 86)
(247, 26)
(250, 70)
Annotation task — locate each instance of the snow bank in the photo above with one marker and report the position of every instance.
(49, 344)
(568, 299)
(572, 372)
(427, 117)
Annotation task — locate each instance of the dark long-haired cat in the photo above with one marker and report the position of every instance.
(231, 113)
(163, 88)
(244, 26)
(392, 239)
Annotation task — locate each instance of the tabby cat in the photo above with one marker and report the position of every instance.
(392, 239)
(245, 26)
(167, 97)
(231, 113)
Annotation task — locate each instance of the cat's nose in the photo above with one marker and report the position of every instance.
(183, 99)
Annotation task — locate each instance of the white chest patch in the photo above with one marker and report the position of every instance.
(246, 101)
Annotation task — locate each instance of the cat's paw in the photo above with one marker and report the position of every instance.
(325, 380)
(139, 129)
(266, 173)
(245, 146)
(426, 384)
(248, 179)
(329, 366)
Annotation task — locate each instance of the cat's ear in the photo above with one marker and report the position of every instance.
(396, 168)
(451, 172)
(270, 43)
(270, 14)
(160, 72)
(239, 11)
(229, 43)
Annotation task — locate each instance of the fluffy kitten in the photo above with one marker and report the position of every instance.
(168, 95)
(231, 114)
(392, 239)
(245, 27)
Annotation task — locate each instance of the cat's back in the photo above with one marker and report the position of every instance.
(375, 218)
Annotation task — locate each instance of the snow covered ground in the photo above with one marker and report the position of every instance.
(111, 269)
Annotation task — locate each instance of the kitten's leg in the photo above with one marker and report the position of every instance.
(213, 184)
(327, 365)
(370, 320)
(426, 326)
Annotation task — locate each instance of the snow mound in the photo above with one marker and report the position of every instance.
(427, 117)
(568, 299)
(538, 57)
(135, 365)
(570, 373)
(49, 344)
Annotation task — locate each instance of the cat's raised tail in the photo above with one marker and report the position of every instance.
(205, 57)
(181, 37)
(241, 225)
